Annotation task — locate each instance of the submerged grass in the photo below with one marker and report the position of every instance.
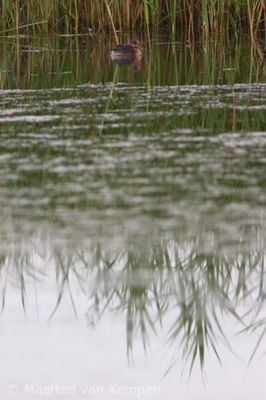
(71, 16)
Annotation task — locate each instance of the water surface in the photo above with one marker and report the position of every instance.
(132, 216)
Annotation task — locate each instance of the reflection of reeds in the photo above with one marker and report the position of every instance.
(147, 285)
(89, 61)
(208, 16)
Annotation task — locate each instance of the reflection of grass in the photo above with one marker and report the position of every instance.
(59, 62)
(196, 289)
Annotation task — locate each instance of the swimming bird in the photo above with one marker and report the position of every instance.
(134, 48)
(128, 54)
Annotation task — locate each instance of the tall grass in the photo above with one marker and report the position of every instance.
(208, 17)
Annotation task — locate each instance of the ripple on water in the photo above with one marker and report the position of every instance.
(166, 154)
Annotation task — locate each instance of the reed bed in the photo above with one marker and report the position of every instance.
(195, 17)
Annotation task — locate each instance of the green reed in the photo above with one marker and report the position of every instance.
(206, 17)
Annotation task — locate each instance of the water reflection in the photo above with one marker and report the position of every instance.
(42, 62)
(194, 284)
(142, 194)
(133, 62)
(142, 161)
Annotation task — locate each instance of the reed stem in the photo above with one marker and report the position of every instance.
(209, 17)
(112, 21)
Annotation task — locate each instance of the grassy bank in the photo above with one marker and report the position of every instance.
(195, 17)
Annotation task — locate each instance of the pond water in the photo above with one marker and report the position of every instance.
(132, 215)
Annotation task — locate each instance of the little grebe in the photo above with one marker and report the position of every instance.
(134, 49)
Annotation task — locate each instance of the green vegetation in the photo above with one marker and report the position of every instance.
(208, 17)
(35, 63)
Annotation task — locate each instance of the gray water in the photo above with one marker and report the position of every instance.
(132, 220)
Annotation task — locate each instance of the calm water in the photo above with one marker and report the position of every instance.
(132, 220)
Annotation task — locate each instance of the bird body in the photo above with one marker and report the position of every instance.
(134, 49)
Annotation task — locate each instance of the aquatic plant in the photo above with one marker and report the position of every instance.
(206, 17)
